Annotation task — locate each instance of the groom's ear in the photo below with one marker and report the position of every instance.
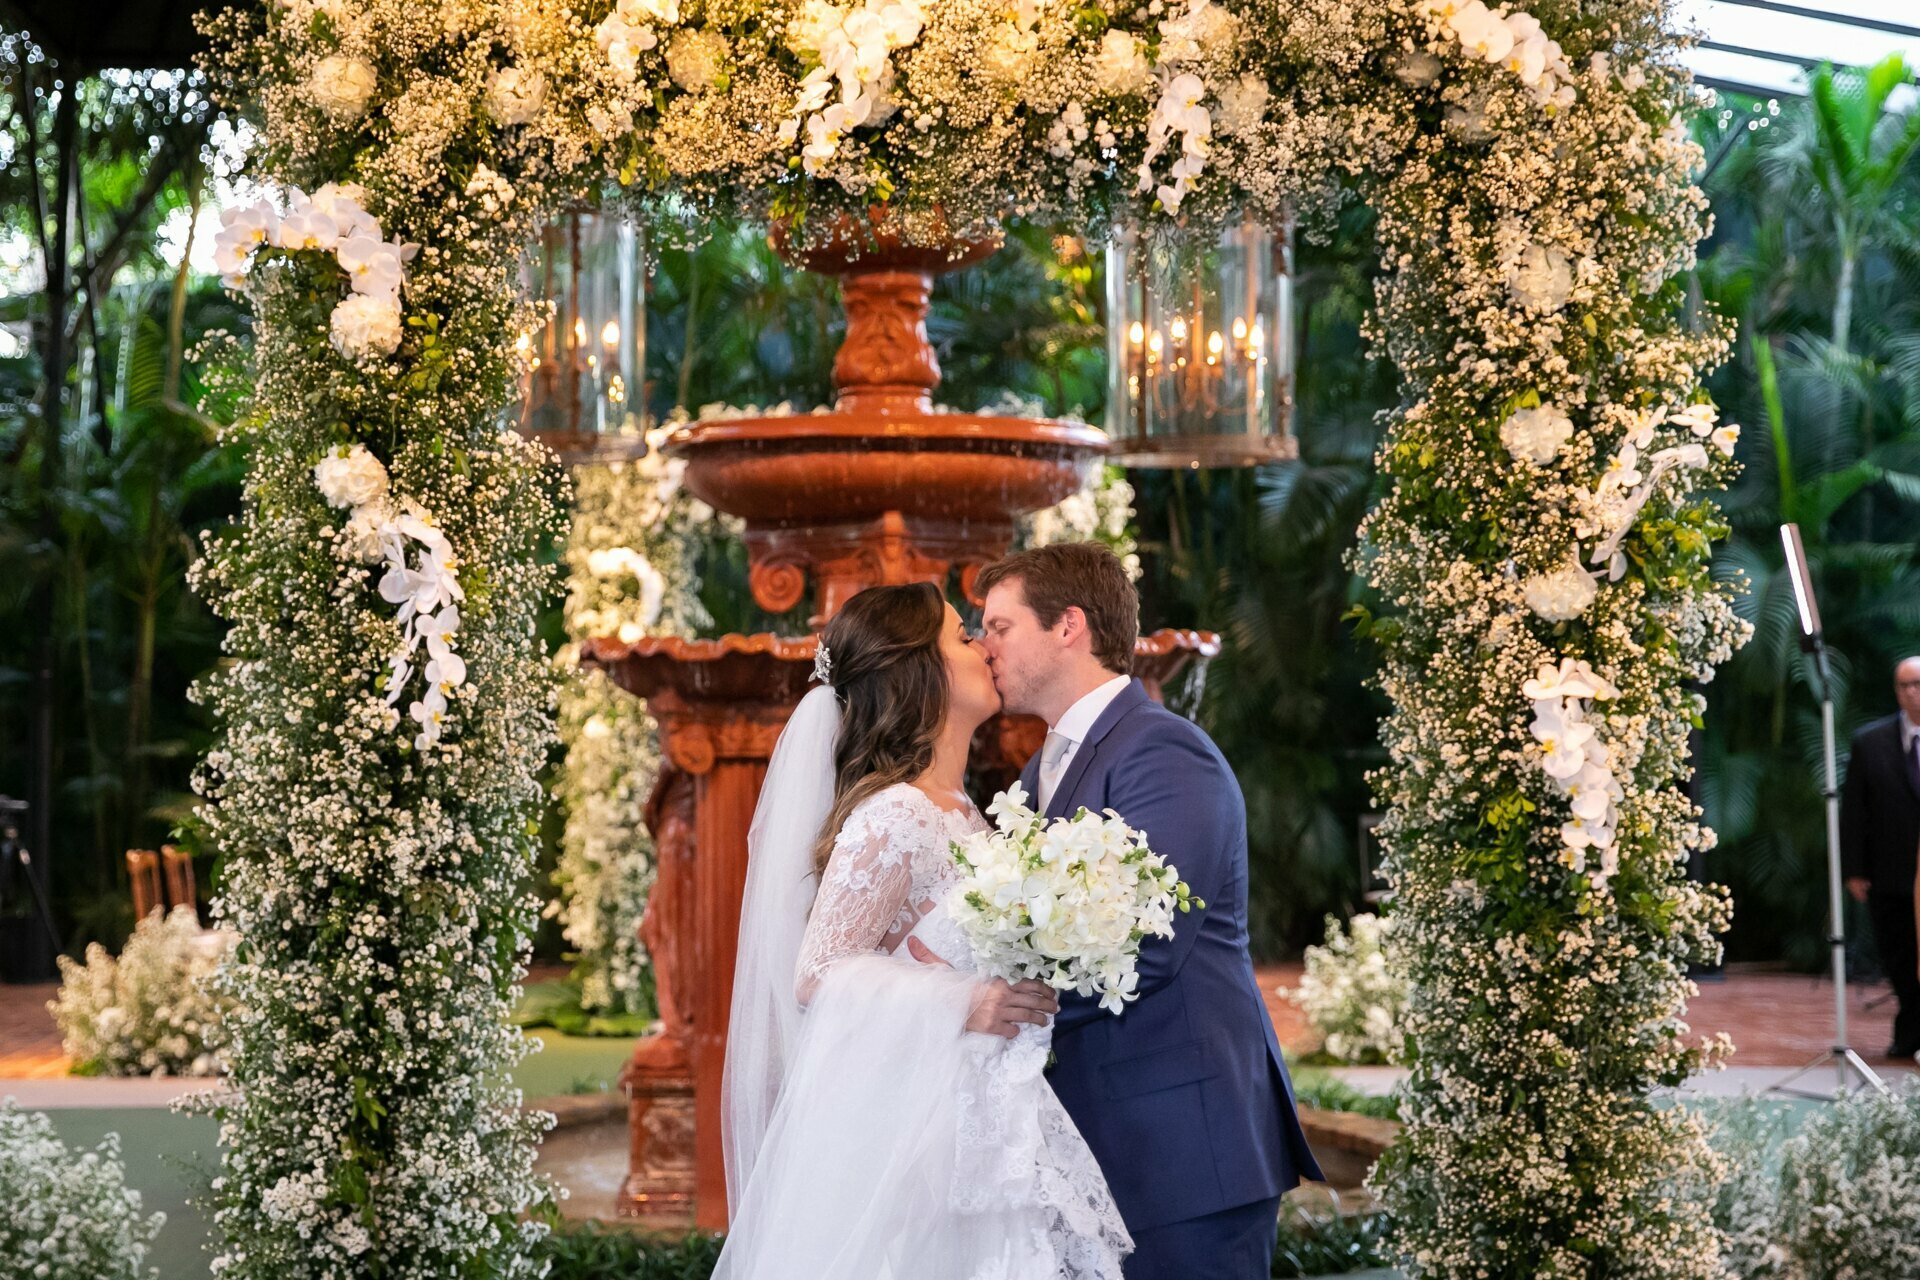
(1072, 624)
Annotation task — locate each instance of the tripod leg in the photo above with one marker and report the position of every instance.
(39, 899)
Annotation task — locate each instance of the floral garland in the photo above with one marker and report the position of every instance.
(630, 573)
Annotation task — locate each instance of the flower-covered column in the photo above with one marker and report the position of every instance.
(386, 707)
(1544, 553)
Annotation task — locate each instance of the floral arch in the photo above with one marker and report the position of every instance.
(1544, 548)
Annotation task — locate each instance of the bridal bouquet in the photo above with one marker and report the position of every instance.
(1067, 902)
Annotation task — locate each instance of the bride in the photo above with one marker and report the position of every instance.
(887, 1119)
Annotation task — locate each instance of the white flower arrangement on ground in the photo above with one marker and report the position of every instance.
(1839, 1198)
(1066, 902)
(150, 1011)
(630, 573)
(1352, 995)
(70, 1215)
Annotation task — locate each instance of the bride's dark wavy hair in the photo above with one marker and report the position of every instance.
(891, 682)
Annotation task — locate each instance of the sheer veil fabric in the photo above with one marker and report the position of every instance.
(870, 1136)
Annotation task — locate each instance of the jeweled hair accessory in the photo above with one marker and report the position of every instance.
(823, 664)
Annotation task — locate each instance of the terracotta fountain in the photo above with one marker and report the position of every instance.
(883, 490)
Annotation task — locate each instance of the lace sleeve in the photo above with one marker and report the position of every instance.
(863, 890)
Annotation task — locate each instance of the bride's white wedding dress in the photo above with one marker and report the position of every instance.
(901, 1146)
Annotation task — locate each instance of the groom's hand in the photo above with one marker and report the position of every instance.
(1004, 1007)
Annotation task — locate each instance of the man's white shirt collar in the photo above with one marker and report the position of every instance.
(1080, 718)
(1907, 729)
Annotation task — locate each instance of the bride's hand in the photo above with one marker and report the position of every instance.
(1004, 1007)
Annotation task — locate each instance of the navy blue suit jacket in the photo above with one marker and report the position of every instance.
(1184, 1098)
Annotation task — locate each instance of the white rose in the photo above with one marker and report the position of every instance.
(1120, 66)
(1242, 105)
(349, 476)
(1541, 278)
(1536, 435)
(514, 95)
(1204, 29)
(365, 324)
(1009, 59)
(697, 60)
(1562, 595)
(341, 86)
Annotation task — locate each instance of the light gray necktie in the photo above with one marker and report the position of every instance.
(1053, 757)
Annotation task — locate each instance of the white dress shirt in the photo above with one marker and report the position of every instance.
(1064, 738)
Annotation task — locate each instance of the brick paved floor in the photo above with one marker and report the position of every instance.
(1776, 1019)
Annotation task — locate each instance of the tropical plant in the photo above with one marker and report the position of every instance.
(106, 479)
(1817, 253)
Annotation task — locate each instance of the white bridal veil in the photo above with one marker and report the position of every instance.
(794, 802)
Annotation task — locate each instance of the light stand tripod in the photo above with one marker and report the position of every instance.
(15, 861)
(1847, 1065)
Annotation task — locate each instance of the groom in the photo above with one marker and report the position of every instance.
(1183, 1098)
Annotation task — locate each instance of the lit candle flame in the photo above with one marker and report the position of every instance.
(610, 336)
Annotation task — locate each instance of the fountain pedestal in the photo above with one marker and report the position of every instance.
(883, 490)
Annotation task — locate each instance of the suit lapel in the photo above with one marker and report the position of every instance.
(1134, 695)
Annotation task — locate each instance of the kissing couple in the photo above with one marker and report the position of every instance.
(884, 1119)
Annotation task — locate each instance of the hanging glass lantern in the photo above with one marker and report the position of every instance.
(1200, 349)
(583, 393)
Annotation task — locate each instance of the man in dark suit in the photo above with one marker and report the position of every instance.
(1184, 1097)
(1879, 835)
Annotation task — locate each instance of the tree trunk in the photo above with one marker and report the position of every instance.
(177, 311)
(1843, 296)
(53, 372)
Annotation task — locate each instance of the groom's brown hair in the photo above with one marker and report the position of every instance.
(1083, 575)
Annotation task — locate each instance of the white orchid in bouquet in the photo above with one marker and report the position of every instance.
(1066, 902)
